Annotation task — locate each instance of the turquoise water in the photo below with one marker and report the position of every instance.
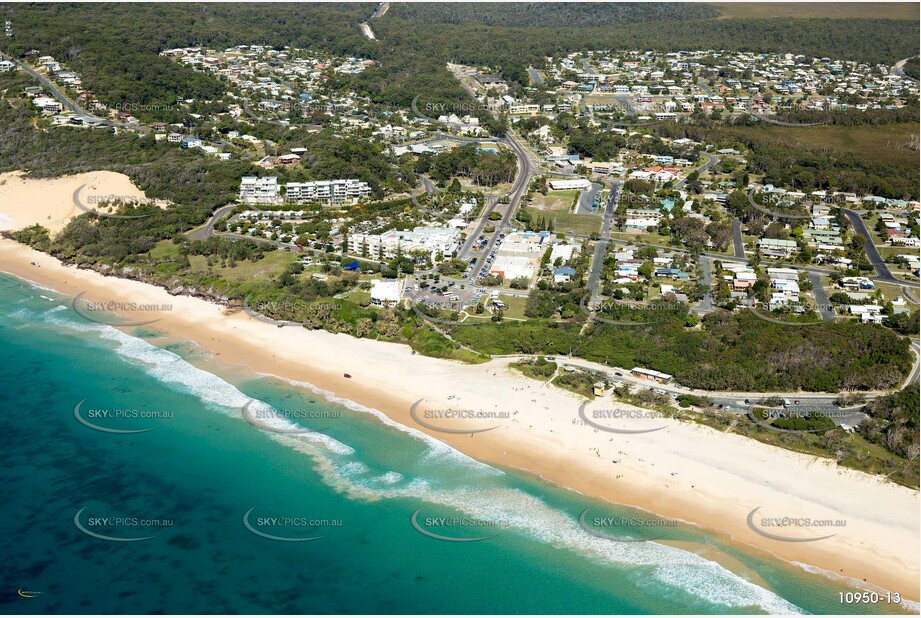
(355, 482)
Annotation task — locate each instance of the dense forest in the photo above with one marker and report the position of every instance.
(483, 168)
(164, 171)
(894, 422)
(736, 352)
(117, 56)
(551, 14)
(783, 159)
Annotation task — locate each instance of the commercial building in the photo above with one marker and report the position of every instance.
(386, 293)
(651, 374)
(567, 185)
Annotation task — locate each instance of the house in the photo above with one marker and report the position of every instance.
(191, 142)
(386, 293)
(47, 104)
(856, 283)
(564, 274)
(774, 247)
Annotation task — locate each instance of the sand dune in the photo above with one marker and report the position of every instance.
(50, 202)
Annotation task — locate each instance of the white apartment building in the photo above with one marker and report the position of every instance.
(443, 240)
(339, 191)
(254, 190)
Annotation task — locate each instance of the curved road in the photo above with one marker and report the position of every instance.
(207, 230)
(882, 269)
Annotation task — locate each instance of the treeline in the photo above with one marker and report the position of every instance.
(115, 46)
(846, 118)
(162, 170)
(548, 14)
(787, 162)
(733, 352)
(483, 168)
(894, 422)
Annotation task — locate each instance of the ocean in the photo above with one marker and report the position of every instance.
(139, 476)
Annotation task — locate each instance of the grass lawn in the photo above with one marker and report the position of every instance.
(516, 305)
(555, 200)
(576, 224)
(357, 296)
(164, 249)
(270, 266)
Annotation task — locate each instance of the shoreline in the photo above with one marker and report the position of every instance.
(686, 472)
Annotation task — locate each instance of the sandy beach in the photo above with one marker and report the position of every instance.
(50, 202)
(684, 471)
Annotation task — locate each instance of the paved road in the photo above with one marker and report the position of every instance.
(882, 269)
(207, 230)
(737, 399)
(705, 87)
(899, 68)
(914, 376)
(711, 161)
(706, 303)
(738, 244)
(464, 252)
(381, 9)
(601, 246)
(519, 186)
(57, 94)
(821, 297)
(535, 76)
(588, 68)
(587, 198)
(626, 102)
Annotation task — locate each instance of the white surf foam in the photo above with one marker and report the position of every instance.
(436, 447)
(525, 514)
